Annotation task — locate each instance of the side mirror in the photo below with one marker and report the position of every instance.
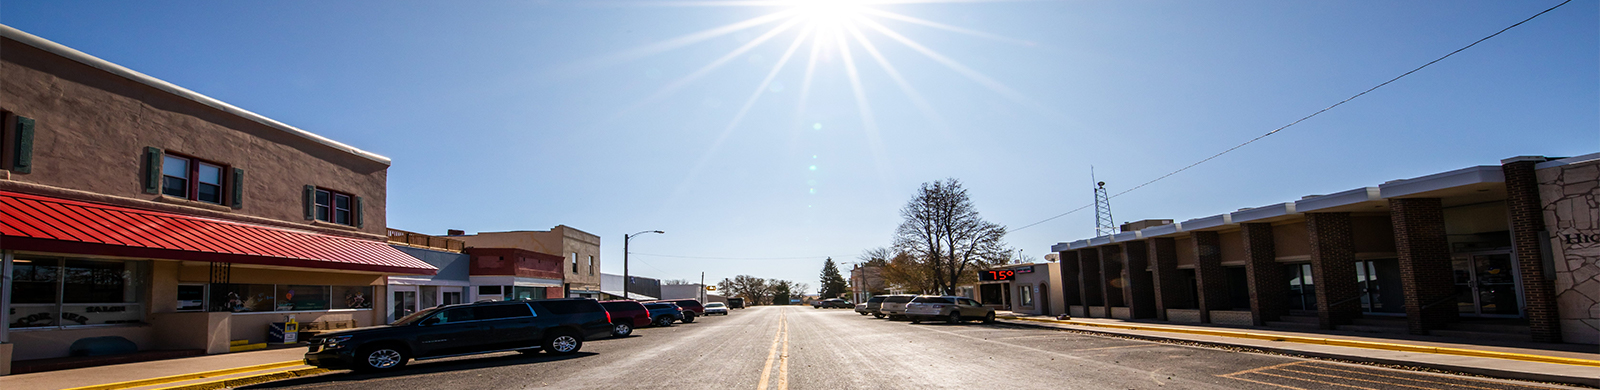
(430, 321)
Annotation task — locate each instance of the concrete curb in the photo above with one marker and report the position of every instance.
(188, 377)
(1478, 370)
(249, 380)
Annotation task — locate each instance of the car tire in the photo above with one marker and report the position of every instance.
(916, 320)
(563, 343)
(878, 315)
(989, 319)
(663, 321)
(861, 313)
(955, 318)
(381, 358)
(688, 317)
(621, 329)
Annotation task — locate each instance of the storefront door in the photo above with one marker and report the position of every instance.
(1486, 285)
(404, 302)
(1379, 284)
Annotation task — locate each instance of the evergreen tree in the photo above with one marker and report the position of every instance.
(833, 284)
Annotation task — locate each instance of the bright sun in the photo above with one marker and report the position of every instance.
(827, 12)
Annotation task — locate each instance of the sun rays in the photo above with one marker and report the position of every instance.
(830, 27)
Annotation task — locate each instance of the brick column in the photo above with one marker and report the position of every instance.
(1069, 278)
(1426, 276)
(1527, 222)
(1208, 273)
(1093, 286)
(1139, 292)
(1268, 288)
(1111, 271)
(1333, 268)
(1167, 285)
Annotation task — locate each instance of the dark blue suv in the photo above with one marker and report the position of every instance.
(557, 326)
(664, 313)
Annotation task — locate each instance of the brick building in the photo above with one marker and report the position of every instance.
(136, 215)
(1488, 252)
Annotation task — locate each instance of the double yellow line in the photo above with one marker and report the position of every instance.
(781, 337)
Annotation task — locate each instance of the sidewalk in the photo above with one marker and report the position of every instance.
(183, 372)
(1564, 363)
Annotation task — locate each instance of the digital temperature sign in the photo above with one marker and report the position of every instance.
(996, 275)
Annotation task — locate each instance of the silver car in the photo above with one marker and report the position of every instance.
(951, 309)
(894, 306)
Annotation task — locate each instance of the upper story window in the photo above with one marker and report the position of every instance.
(591, 265)
(334, 207)
(574, 262)
(192, 179)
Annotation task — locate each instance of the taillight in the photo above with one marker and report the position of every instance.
(608, 316)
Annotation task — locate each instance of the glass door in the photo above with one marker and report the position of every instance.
(1486, 285)
(404, 303)
(1302, 292)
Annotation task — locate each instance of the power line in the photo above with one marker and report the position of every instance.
(1319, 112)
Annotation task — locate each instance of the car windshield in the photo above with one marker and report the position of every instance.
(874, 299)
(714, 305)
(413, 318)
(897, 300)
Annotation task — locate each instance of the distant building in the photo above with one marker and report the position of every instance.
(866, 281)
(579, 250)
(683, 291)
(639, 287)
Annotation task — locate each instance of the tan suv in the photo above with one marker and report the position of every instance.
(952, 309)
(894, 306)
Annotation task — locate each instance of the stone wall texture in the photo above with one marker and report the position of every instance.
(1570, 199)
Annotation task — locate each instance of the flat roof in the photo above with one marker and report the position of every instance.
(75, 55)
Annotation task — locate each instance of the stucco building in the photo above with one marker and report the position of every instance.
(1487, 252)
(139, 215)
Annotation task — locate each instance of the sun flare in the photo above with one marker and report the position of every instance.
(827, 13)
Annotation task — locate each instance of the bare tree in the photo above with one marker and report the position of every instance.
(676, 282)
(900, 271)
(754, 290)
(944, 233)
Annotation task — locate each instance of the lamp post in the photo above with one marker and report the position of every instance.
(625, 239)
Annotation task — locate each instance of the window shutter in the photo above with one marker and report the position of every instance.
(23, 163)
(152, 170)
(358, 211)
(311, 202)
(238, 188)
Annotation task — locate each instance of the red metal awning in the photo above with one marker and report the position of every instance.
(46, 224)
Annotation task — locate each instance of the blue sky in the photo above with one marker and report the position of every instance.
(524, 115)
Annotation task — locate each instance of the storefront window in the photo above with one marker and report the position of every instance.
(241, 298)
(77, 292)
(298, 297)
(191, 297)
(1027, 295)
(518, 292)
(352, 297)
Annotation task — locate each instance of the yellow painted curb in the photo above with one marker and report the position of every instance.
(1332, 342)
(248, 380)
(188, 377)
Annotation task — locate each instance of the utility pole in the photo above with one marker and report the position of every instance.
(702, 287)
(625, 239)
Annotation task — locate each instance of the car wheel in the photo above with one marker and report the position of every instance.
(989, 319)
(381, 358)
(688, 317)
(916, 320)
(955, 318)
(861, 313)
(663, 321)
(878, 315)
(563, 343)
(621, 329)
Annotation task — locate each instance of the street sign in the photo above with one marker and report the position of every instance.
(711, 288)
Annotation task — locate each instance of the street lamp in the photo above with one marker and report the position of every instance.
(625, 239)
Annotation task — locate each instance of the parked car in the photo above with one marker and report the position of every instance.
(831, 303)
(871, 306)
(692, 308)
(716, 308)
(736, 303)
(557, 326)
(664, 313)
(952, 309)
(625, 316)
(894, 306)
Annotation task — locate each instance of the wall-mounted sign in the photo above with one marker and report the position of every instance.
(996, 275)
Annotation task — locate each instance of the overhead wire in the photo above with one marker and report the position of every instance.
(1303, 119)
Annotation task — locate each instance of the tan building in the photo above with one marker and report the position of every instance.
(138, 215)
(579, 250)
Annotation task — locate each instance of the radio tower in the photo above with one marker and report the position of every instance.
(1103, 225)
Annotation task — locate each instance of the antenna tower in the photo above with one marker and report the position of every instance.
(1103, 225)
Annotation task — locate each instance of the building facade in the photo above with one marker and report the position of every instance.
(1487, 252)
(450, 285)
(580, 251)
(639, 287)
(866, 281)
(139, 215)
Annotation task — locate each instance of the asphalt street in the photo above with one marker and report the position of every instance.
(797, 347)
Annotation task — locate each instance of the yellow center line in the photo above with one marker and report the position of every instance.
(1326, 367)
(1359, 379)
(1265, 368)
(1311, 380)
(766, 368)
(1264, 383)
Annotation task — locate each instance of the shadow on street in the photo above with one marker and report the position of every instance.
(423, 368)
